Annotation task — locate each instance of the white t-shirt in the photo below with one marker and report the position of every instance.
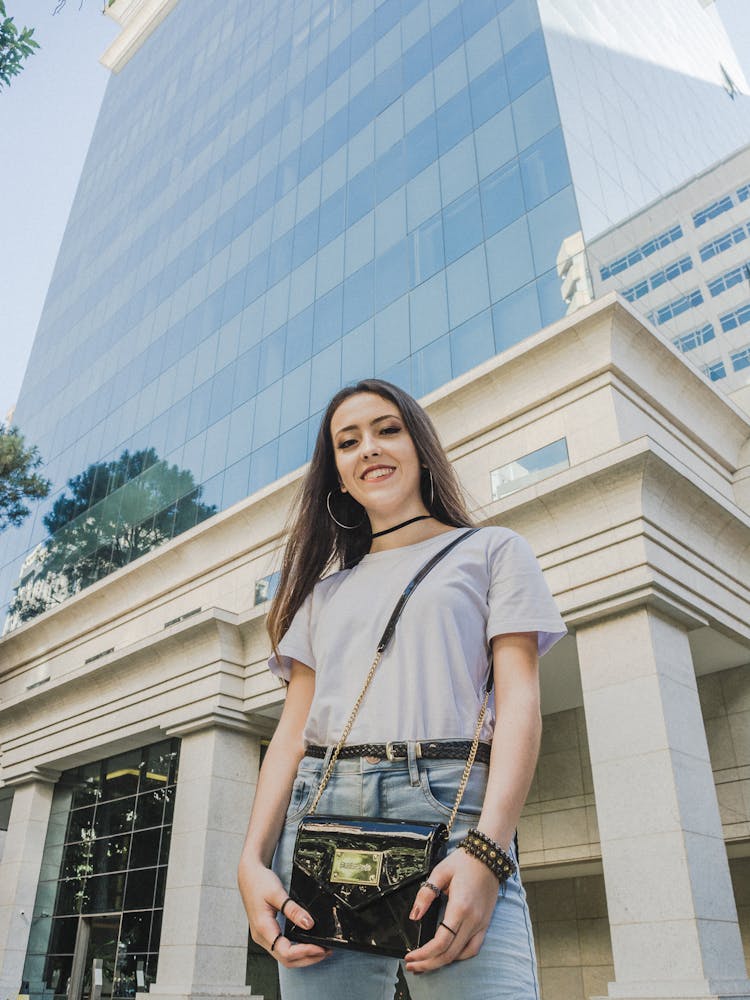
(430, 681)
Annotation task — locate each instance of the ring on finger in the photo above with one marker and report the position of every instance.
(284, 904)
(449, 929)
(432, 887)
(273, 944)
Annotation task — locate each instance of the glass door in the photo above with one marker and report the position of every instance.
(96, 939)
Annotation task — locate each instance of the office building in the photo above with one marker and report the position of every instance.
(684, 261)
(281, 199)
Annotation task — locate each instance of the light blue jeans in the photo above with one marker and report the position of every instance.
(504, 969)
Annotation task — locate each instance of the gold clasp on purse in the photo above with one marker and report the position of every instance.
(356, 867)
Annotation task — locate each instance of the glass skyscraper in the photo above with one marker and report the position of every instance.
(285, 196)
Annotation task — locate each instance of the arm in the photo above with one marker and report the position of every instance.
(471, 886)
(260, 888)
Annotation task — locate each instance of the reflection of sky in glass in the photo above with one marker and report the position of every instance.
(529, 468)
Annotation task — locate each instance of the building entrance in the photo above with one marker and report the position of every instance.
(96, 942)
(101, 894)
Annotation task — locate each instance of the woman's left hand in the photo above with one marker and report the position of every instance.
(472, 894)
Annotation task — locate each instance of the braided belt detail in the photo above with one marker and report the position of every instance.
(425, 750)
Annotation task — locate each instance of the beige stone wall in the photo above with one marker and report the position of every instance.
(740, 872)
(571, 930)
(571, 925)
(559, 819)
(725, 701)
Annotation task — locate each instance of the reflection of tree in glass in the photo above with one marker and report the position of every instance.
(110, 514)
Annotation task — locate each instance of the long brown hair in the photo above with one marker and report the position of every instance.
(315, 542)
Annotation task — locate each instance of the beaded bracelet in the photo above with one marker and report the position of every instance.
(490, 853)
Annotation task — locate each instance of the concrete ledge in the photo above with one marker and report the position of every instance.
(138, 19)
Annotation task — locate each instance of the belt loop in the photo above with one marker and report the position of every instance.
(411, 756)
(327, 759)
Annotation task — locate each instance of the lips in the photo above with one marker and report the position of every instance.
(376, 472)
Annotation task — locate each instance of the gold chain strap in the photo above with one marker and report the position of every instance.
(345, 734)
(348, 728)
(469, 763)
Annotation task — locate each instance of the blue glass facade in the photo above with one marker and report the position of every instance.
(280, 198)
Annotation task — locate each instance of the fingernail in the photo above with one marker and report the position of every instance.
(306, 922)
(414, 915)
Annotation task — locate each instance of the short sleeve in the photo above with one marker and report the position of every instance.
(296, 644)
(519, 598)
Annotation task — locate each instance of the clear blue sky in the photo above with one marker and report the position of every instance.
(47, 117)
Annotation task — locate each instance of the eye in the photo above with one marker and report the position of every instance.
(346, 443)
(391, 429)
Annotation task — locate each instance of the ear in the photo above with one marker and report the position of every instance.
(343, 488)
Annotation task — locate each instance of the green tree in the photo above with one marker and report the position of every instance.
(109, 515)
(19, 481)
(15, 46)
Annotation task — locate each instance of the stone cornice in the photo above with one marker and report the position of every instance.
(224, 627)
(38, 775)
(138, 20)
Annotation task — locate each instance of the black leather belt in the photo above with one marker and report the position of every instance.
(425, 750)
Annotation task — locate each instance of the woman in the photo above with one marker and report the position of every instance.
(380, 499)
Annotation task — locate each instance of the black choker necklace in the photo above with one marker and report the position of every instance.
(387, 531)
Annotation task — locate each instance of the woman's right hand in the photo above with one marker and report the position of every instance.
(263, 903)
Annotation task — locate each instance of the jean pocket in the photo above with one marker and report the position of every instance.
(440, 783)
(299, 801)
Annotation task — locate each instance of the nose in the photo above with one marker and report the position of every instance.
(370, 447)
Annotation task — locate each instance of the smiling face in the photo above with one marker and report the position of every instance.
(376, 459)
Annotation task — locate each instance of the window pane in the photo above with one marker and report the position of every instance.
(391, 275)
(509, 259)
(462, 225)
(299, 338)
(431, 367)
(359, 297)
(292, 449)
(549, 224)
(295, 397)
(144, 851)
(149, 809)
(114, 817)
(526, 64)
(502, 198)
(428, 311)
(453, 121)
(472, 343)
(489, 93)
(516, 317)
(139, 892)
(110, 854)
(535, 113)
(544, 168)
(103, 893)
(468, 290)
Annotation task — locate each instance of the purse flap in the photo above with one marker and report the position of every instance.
(361, 860)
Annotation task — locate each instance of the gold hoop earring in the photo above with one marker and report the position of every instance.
(347, 527)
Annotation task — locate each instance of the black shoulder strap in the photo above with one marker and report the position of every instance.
(411, 586)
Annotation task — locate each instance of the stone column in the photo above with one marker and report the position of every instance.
(19, 873)
(672, 913)
(203, 949)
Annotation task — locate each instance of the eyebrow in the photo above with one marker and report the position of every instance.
(377, 420)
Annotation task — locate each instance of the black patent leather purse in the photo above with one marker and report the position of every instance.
(358, 876)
